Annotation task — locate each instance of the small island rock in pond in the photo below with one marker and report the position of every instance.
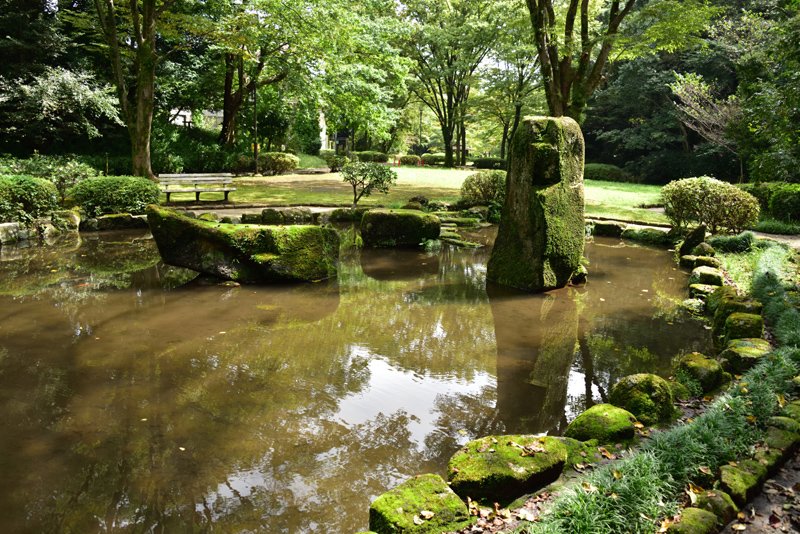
(398, 228)
(540, 240)
(245, 253)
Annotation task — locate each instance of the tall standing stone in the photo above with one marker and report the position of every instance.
(540, 241)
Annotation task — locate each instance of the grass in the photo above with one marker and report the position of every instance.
(603, 199)
(774, 226)
(307, 161)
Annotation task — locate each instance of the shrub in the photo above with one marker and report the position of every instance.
(368, 177)
(62, 171)
(489, 163)
(24, 198)
(773, 226)
(784, 203)
(719, 205)
(410, 159)
(334, 162)
(115, 194)
(241, 164)
(736, 244)
(762, 191)
(433, 159)
(371, 156)
(485, 187)
(606, 173)
(272, 163)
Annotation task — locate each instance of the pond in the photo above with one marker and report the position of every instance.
(135, 403)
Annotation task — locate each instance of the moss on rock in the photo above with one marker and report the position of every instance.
(706, 371)
(604, 423)
(706, 275)
(742, 354)
(646, 396)
(580, 452)
(540, 241)
(718, 503)
(707, 261)
(703, 249)
(728, 304)
(741, 325)
(695, 521)
(687, 260)
(347, 215)
(778, 438)
(715, 299)
(502, 468)
(693, 238)
(679, 391)
(403, 228)
(649, 236)
(245, 253)
(786, 423)
(608, 229)
(396, 510)
(286, 216)
(701, 291)
(742, 482)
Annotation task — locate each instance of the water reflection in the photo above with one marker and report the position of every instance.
(134, 402)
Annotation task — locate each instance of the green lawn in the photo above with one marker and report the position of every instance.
(603, 199)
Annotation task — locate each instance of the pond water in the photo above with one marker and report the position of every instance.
(132, 403)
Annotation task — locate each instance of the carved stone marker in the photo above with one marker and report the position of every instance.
(540, 241)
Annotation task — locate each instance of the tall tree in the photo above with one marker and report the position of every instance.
(448, 42)
(575, 38)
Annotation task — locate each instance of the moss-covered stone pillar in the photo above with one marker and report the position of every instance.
(540, 241)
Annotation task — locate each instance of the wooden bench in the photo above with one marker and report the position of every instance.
(196, 183)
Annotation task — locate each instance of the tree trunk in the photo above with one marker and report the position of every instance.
(228, 134)
(447, 135)
(463, 160)
(140, 131)
(504, 141)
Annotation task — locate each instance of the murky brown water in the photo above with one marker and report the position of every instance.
(129, 406)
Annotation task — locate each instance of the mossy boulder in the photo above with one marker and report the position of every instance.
(741, 482)
(726, 305)
(740, 325)
(245, 253)
(604, 423)
(581, 452)
(401, 228)
(703, 249)
(742, 354)
(540, 241)
(701, 291)
(679, 391)
(287, 216)
(695, 521)
(792, 410)
(649, 236)
(687, 260)
(706, 275)
(784, 440)
(646, 396)
(251, 218)
(707, 371)
(786, 423)
(715, 299)
(608, 229)
(117, 221)
(347, 215)
(718, 503)
(692, 239)
(707, 261)
(423, 504)
(694, 306)
(502, 468)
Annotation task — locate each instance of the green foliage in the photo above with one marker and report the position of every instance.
(738, 243)
(114, 194)
(366, 178)
(606, 173)
(485, 188)
(489, 163)
(62, 171)
(719, 205)
(196, 149)
(23, 198)
(371, 156)
(334, 162)
(272, 163)
(692, 384)
(410, 159)
(784, 203)
(433, 159)
(773, 226)
(762, 191)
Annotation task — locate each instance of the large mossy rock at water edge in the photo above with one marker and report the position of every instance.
(608, 229)
(398, 228)
(422, 504)
(540, 241)
(646, 396)
(502, 468)
(603, 422)
(693, 238)
(245, 253)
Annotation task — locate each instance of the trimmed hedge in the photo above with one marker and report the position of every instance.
(606, 173)
(371, 156)
(273, 163)
(704, 200)
(433, 159)
(115, 194)
(489, 163)
(410, 159)
(24, 198)
(784, 203)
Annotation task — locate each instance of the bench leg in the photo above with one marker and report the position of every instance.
(226, 195)
(197, 196)
(168, 193)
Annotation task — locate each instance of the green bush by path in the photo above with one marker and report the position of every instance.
(433, 159)
(489, 163)
(115, 194)
(410, 159)
(719, 205)
(272, 163)
(24, 198)
(606, 173)
(784, 203)
(62, 171)
(484, 188)
(371, 156)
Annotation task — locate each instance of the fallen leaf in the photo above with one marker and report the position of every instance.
(526, 515)
(606, 453)
(418, 520)
(705, 470)
(426, 514)
(637, 424)
(589, 487)
(738, 526)
(616, 474)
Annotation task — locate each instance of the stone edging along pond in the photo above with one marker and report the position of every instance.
(692, 477)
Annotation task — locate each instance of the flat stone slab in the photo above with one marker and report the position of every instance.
(502, 468)
(706, 275)
(424, 503)
(742, 354)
